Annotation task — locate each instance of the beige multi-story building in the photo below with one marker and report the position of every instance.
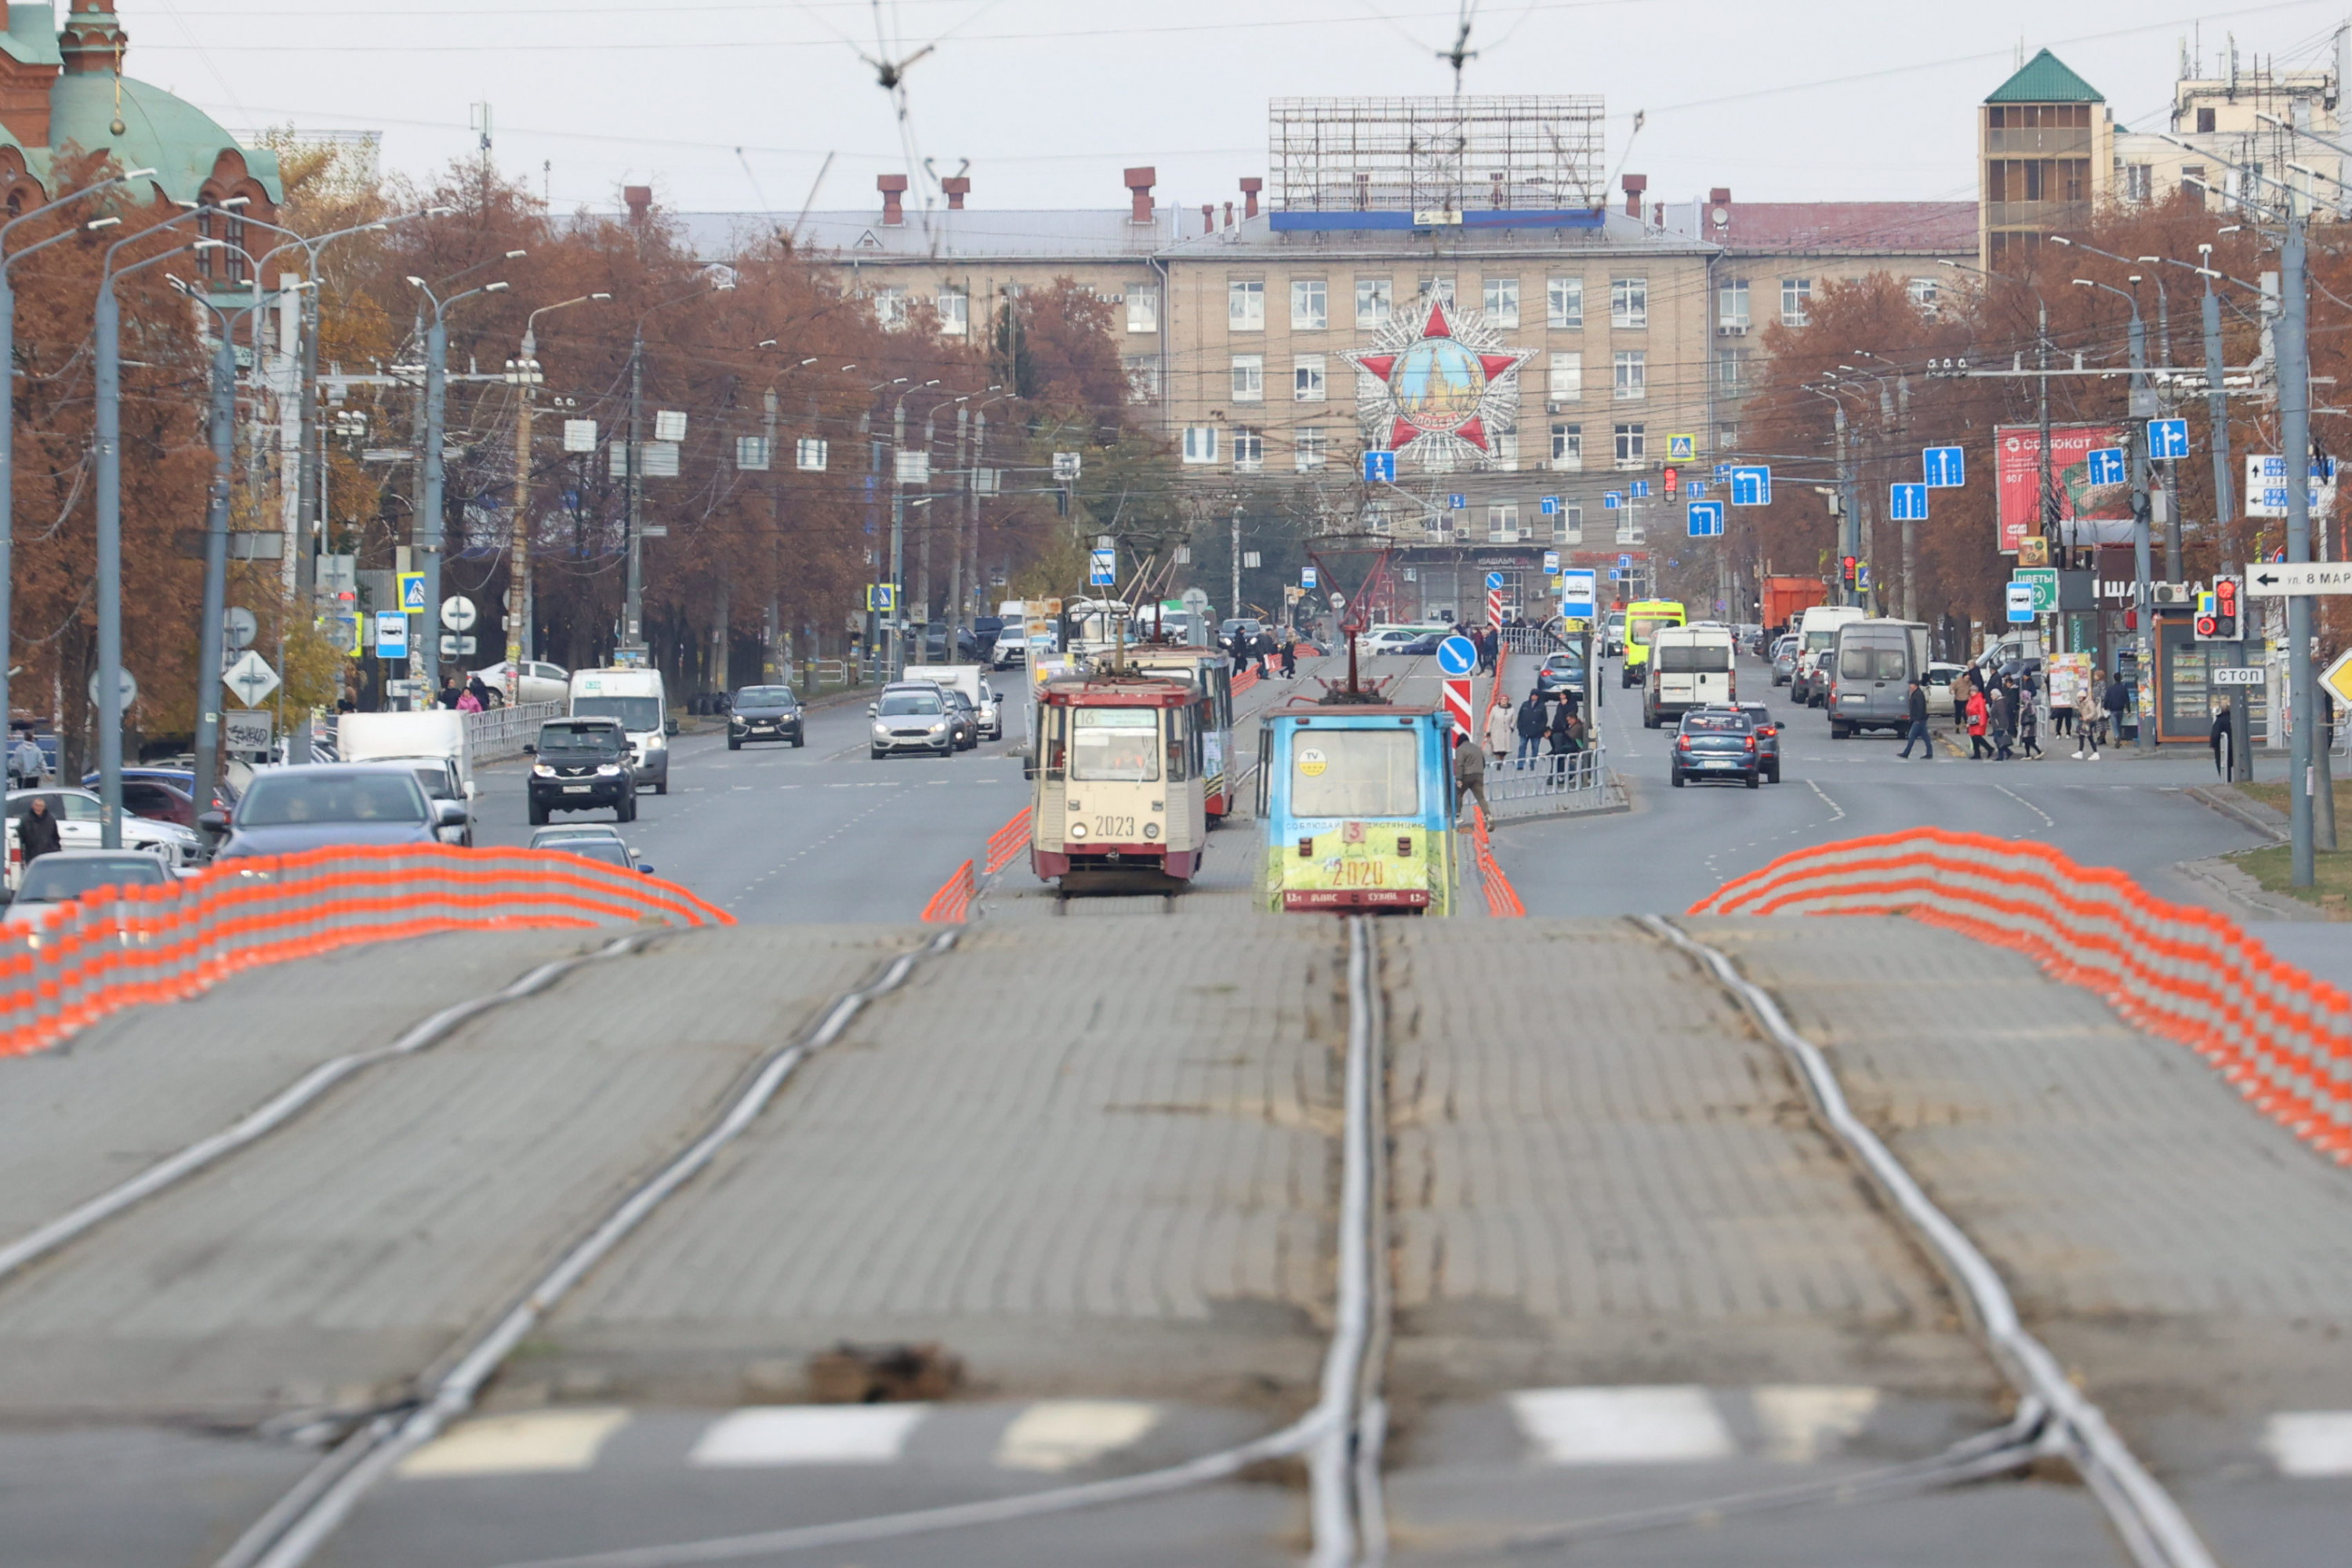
(2045, 156)
(2281, 124)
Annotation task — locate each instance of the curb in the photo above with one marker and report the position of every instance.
(2234, 806)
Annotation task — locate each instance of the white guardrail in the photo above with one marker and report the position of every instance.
(1547, 784)
(503, 732)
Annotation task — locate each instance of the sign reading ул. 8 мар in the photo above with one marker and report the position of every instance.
(2087, 514)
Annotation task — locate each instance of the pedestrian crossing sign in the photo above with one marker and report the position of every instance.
(412, 593)
(1682, 448)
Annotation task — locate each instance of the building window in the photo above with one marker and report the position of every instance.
(2204, 122)
(1922, 294)
(1731, 305)
(1564, 379)
(1246, 305)
(1632, 375)
(1629, 301)
(1249, 450)
(1310, 305)
(1504, 437)
(890, 307)
(1143, 377)
(1633, 445)
(1564, 302)
(1306, 378)
(1503, 522)
(1796, 297)
(1731, 372)
(1438, 290)
(1567, 447)
(1142, 307)
(1503, 302)
(1200, 443)
(1373, 302)
(2139, 182)
(1310, 448)
(1249, 378)
(1567, 525)
(2192, 176)
(955, 311)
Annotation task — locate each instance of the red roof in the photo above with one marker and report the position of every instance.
(1851, 226)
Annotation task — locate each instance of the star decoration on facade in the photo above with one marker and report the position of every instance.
(1441, 385)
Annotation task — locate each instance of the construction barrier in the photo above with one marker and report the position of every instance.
(1246, 680)
(1005, 843)
(952, 905)
(2191, 975)
(93, 957)
(1502, 899)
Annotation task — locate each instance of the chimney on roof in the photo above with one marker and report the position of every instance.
(1718, 211)
(957, 187)
(1208, 217)
(894, 199)
(1138, 188)
(1634, 185)
(1250, 187)
(1228, 215)
(640, 201)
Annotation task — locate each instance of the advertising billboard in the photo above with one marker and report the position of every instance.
(2087, 514)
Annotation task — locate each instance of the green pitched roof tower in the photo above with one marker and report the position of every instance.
(2045, 79)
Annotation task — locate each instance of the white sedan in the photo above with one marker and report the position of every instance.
(78, 827)
(537, 682)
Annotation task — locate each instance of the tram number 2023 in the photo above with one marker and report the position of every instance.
(1114, 827)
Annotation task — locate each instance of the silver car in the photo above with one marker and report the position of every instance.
(1784, 659)
(913, 719)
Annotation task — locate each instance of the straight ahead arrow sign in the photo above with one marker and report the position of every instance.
(2280, 579)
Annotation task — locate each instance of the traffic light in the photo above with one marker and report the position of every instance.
(1846, 564)
(1674, 477)
(2217, 611)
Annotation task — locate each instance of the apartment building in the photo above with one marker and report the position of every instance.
(2280, 123)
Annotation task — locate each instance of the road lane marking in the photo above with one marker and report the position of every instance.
(543, 1442)
(1062, 1433)
(2047, 820)
(1833, 805)
(809, 1435)
(2310, 1443)
(1660, 1424)
(1802, 1421)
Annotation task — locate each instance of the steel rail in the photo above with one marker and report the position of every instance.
(304, 1519)
(287, 1103)
(1340, 1435)
(2154, 1531)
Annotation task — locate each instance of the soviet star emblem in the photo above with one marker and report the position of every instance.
(1440, 382)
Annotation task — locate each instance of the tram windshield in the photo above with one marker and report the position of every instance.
(1355, 772)
(1115, 745)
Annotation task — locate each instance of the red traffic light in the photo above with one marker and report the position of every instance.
(1672, 478)
(2207, 626)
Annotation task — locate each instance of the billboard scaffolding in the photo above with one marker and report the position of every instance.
(1448, 155)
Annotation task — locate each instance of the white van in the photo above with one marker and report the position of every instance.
(1808, 685)
(1689, 667)
(433, 739)
(636, 698)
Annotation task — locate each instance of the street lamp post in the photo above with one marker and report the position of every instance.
(775, 667)
(429, 523)
(522, 640)
(633, 607)
(898, 531)
(2143, 596)
(107, 495)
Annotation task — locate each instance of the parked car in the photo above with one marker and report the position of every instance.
(181, 779)
(319, 806)
(582, 765)
(65, 874)
(80, 827)
(1938, 678)
(765, 713)
(1420, 646)
(528, 681)
(1561, 671)
(1716, 743)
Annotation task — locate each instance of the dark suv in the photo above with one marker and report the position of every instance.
(582, 765)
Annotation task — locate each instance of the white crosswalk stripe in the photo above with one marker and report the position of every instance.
(810, 1435)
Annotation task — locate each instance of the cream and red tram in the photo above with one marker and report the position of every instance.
(1119, 786)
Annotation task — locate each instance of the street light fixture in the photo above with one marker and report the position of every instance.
(523, 372)
(425, 654)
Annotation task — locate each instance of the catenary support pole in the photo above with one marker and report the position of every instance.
(2217, 405)
(209, 629)
(2143, 595)
(2294, 422)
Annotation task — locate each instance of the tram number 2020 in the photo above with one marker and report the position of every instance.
(1118, 829)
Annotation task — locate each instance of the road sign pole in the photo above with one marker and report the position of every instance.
(209, 619)
(2294, 350)
(2142, 595)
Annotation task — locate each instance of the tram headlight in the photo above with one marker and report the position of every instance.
(1151, 830)
(1078, 830)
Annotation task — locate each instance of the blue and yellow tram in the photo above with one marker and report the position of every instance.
(1357, 803)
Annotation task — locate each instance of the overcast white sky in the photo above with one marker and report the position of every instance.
(1050, 99)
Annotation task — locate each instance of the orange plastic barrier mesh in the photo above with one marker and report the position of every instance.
(952, 905)
(1246, 680)
(99, 955)
(1502, 899)
(2190, 974)
(1005, 843)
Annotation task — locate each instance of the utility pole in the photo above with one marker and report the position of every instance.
(215, 590)
(1236, 610)
(979, 457)
(2049, 488)
(897, 664)
(956, 605)
(923, 552)
(776, 667)
(2217, 401)
(2294, 422)
(519, 637)
(632, 603)
(2137, 435)
(430, 518)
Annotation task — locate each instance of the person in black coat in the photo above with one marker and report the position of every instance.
(37, 831)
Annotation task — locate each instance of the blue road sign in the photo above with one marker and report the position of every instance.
(1705, 519)
(1698, 488)
(1723, 472)
(1611, 501)
(1548, 506)
(1640, 487)
(2167, 437)
(1862, 577)
(1946, 468)
(1306, 576)
(1579, 592)
(1380, 468)
(1751, 486)
(1615, 575)
(1457, 656)
(2106, 464)
(1625, 563)
(2020, 600)
(1907, 503)
(391, 634)
(1457, 502)
(1102, 568)
(1493, 580)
